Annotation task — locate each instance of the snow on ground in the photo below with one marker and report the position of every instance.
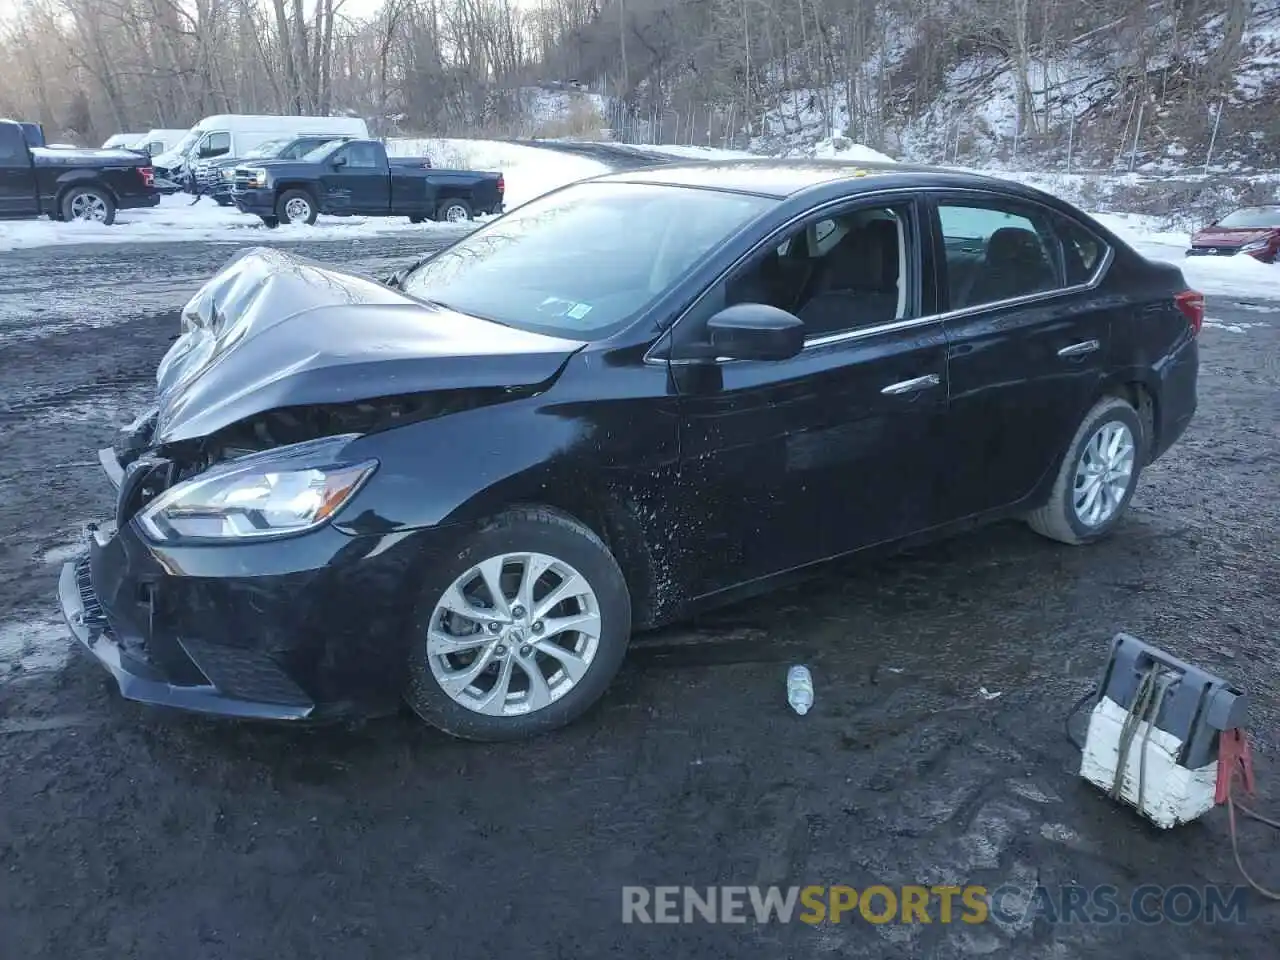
(176, 219)
(528, 172)
(1223, 276)
(832, 148)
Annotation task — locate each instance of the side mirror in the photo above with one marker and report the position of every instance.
(339, 162)
(755, 331)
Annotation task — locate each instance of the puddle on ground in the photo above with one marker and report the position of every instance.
(32, 646)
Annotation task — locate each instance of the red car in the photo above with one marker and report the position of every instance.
(1254, 231)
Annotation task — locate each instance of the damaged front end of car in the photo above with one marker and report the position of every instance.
(224, 583)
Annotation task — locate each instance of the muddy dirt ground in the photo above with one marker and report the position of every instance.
(126, 832)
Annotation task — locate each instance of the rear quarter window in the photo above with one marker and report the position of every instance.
(1082, 250)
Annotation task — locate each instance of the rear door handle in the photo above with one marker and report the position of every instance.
(911, 386)
(1079, 349)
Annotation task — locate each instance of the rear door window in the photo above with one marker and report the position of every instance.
(997, 251)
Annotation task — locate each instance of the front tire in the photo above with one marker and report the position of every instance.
(296, 206)
(88, 205)
(1098, 475)
(521, 631)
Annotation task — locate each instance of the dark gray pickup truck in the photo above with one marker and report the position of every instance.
(356, 178)
(66, 184)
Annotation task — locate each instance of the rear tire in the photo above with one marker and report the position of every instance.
(88, 205)
(296, 206)
(1091, 477)
(453, 211)
(514, 644)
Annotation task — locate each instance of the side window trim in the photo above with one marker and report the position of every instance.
(658, 352)
(937, 197)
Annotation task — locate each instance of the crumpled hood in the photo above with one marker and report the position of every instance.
(1229, 237)
(272, 330)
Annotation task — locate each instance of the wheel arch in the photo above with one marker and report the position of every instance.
(82, 178)
(305, 186)
(1140, 395)
(612, 514)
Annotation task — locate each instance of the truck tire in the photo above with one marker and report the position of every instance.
(296, 206)
(270, 222)
(88, 204)
(417, 218)
(453, 211)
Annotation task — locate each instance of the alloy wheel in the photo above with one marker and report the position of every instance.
(1103, 473)
(513, 634)
(297, 210)
(455, 213)
(88, 207)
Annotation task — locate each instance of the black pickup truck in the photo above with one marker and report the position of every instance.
(217, 177)
(356, 178)
(66, 184)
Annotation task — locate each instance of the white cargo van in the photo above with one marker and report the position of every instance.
(120, 140)
(234, 135)
(156, 142)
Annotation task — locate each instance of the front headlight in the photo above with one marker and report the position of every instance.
(229, 173)
(1255, 246)
(258, 500)
(257, 177)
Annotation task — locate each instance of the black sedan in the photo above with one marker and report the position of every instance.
(622, 402)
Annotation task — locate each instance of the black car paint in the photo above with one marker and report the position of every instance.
(33, 180)
(708, 481)
(396, 187)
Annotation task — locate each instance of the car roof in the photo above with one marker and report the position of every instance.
(784, 178)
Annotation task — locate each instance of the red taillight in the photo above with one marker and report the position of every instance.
(502, 184)
(148, 176)
(1191, 303)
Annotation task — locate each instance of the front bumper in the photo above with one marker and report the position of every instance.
(1265, 254)
(302, 628)
(260, 201)
(127, 659)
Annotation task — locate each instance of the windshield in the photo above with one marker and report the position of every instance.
(582, 262)
(1252, 217)
(322, 151)
(268, 149)
(187, 142)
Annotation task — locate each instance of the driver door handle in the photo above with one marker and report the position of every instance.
(1079, 349)
(911, 386)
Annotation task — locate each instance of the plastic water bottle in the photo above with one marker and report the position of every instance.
(800, 689)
